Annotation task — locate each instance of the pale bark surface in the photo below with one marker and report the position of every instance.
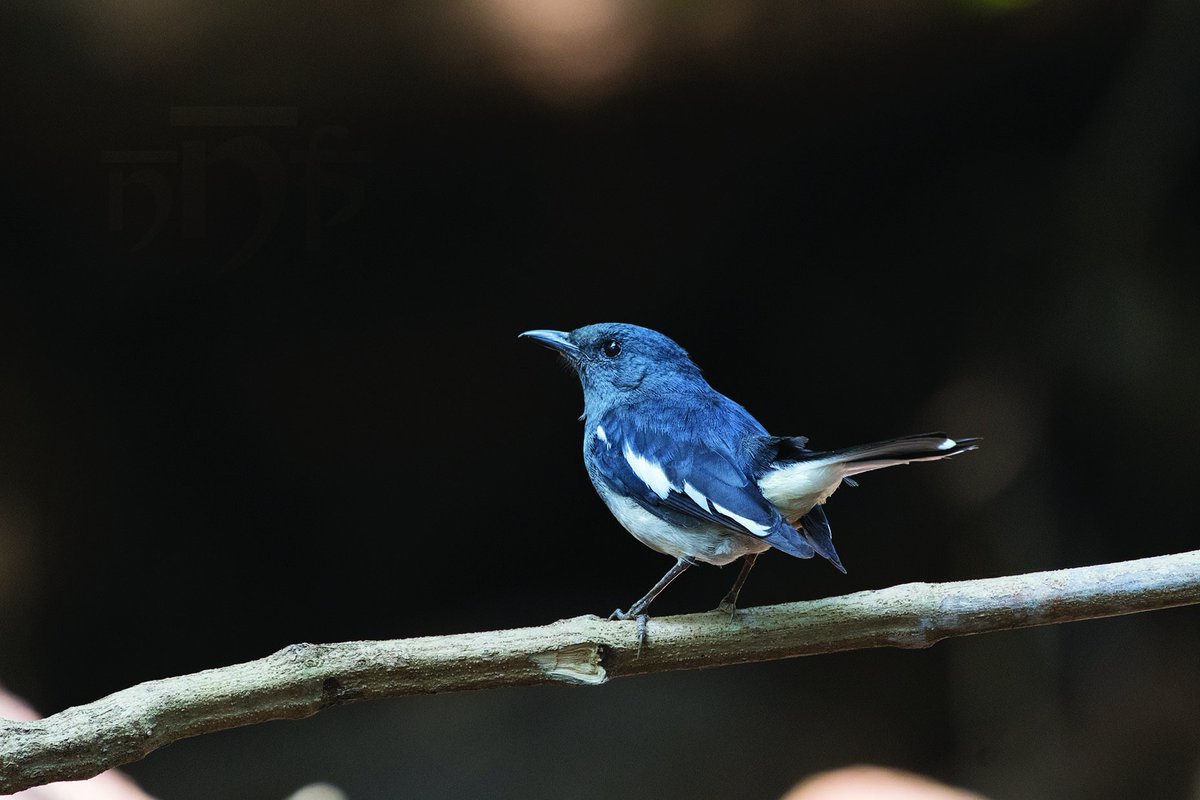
(302, 679)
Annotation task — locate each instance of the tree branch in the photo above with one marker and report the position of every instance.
(302, 679)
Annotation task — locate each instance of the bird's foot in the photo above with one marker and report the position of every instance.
(728, 607)
(643, 622)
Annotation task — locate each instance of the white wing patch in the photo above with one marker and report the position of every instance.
(602, 436)
(697, 496)
(649, 472)
(709, 546)
(748, 524)
(660, 484)
(699, 499)
(946, 445)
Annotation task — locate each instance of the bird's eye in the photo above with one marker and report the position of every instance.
(612, 348)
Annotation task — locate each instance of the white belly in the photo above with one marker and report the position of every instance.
(710, 544)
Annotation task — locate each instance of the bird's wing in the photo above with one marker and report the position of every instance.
(698, 479)
(814, 526)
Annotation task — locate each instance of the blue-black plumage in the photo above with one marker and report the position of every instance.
(691, 473)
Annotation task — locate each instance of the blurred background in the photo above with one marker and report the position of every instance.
(265, 266)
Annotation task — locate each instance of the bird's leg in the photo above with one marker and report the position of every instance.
(729, 603)
(640, 606)
(638, 609)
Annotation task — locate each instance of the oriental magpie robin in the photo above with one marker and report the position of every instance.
(690, 473)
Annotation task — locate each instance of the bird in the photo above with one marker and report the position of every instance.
(691, 473)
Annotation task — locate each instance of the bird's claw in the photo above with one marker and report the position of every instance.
(643, 623)
(728, 608)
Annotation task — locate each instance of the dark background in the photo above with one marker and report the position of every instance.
(260, 407)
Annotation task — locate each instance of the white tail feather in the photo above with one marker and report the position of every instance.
(795, 487)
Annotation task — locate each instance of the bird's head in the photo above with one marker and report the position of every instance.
(615, 360)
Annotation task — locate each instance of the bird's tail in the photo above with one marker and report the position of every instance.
(889, 453)
(797, 479)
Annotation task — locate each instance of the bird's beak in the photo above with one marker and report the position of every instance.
(555, 340)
